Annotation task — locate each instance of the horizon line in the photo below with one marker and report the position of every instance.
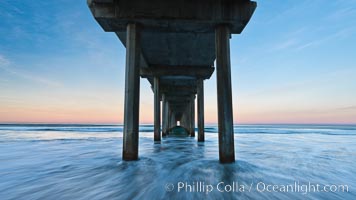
(145, 124)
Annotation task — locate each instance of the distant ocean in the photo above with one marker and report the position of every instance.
(84, 162)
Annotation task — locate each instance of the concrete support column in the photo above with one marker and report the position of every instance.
(182, 120)
(173, 120)
(164, 115)
(224, 95)
(192, 118)
(200, 105)
(168, 119)
(157, 110)
(187, 117)
(132, 94)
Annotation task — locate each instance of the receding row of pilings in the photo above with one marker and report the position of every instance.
(186, 117)
(224, 97)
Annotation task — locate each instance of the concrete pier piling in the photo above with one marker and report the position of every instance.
(132, 93)
(164, 115)
(173, 44)
(223, 79)
(200, 102)
(192, 117)
(157, 110)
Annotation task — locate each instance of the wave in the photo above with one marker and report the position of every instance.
(70, 128)
(238, 129)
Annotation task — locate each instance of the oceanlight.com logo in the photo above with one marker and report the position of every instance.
(236, 187)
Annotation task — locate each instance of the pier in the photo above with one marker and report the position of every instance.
(174, 44)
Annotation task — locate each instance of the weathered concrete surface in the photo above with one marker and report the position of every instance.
(132, 94)
(200, 102)
(175, 33)
(185, 72)
(157, 110)
(164, 115)
(196, 16)
(223, 79)
(192, 117)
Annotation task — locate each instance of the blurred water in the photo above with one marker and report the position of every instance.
(84, 162)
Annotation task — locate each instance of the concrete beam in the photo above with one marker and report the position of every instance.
(177, 106)
(173, 89)
(179, 93)
(177, 81)
(203, 72)
(177, 97)
(132, 94)
(197, 16)
(179, 101)
(224, 94)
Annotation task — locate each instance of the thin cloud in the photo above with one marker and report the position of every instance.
(342, 13)
(340, 34)
(286, 44)
(298, 45)
(4, 61)
(307, 83)
(291, 40)
(347, 108)
(294, 10)
(5, 66)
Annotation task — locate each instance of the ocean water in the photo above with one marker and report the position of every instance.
(84, 162)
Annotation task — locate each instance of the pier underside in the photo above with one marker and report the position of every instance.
(173, 44)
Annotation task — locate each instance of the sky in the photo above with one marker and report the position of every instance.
(295, 62)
